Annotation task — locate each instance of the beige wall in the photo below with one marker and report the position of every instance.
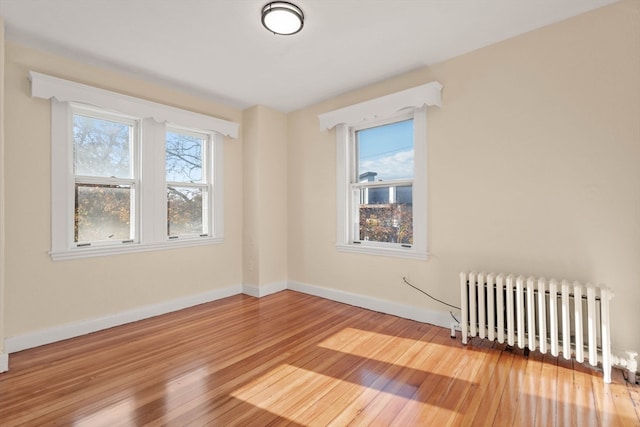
(533, 168)
(265, 196)
(2, 181)
(41, 293)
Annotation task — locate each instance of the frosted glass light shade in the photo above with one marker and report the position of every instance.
(283, 18)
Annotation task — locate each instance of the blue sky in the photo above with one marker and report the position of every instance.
(387, 150)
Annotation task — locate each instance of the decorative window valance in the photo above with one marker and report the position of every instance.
(427, 94)
(46, 87)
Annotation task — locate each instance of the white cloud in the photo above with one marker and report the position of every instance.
(395, 166)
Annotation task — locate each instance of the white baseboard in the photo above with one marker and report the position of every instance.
(264, 290)
(438, 318)
(75, 329)
(4, 362)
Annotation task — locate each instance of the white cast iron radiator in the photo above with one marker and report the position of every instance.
(534, 313)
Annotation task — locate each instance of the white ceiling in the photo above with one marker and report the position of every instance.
(218, 49)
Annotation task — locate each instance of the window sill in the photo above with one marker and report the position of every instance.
(407, 253)
(96, 251)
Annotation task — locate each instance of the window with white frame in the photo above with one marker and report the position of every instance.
(381, 148)
(130, 175)
(188, 183)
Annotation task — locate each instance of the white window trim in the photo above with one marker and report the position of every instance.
(416, 99)
(152, 233)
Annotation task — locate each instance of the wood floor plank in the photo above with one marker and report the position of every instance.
(340, 391)
(529, 397)
(584, 397)
(142, 365)
(401, 384)
(634, 394)
(299, 360)
(547, 385)
(287, 377)
(452, 397)
(492, 396)
(429, 395)
(625, 407)
(402, 356)
(228, 380)
(403, 401)
(470, 405)
(467, 392)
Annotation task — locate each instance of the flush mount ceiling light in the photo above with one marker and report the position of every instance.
(281, 17)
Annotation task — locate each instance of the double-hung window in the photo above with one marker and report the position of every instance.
(130, 175)
(381, 165)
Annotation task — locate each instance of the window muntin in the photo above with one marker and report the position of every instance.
(382, 183)
(105, 175)
(188, 179)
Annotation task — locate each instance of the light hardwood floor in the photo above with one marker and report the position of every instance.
(294, 359)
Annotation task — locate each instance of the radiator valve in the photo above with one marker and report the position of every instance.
(632, 366)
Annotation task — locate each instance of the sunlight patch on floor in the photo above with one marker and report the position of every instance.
(275, 384)
(120, 413)
(283, 395)
(337, 341)
(193, 382)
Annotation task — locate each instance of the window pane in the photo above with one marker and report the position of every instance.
(103, 212)
(184, 211)
(386, 222)
(404, 194)
(378, 195)
(101, 147)
(385, 152)
(184, 157)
